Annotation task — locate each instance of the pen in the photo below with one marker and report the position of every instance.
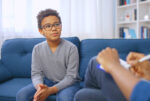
(144, 58)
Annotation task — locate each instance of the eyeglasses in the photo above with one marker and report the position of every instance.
(48, 27)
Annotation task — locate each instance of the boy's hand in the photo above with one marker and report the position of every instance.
(40, 86)
(41, 93)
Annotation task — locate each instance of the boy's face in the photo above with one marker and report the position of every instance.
(51, 28)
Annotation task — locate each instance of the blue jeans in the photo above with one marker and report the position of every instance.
(67, 94)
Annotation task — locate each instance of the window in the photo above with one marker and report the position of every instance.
(19, 16)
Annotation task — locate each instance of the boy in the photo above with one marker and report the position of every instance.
(54, 63)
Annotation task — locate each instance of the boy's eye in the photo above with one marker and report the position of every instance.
(57, 24)
(48, 26)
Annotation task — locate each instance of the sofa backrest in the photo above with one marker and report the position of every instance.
(16, 54)
(91, 47)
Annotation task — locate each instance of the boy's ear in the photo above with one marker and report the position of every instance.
(41, 32)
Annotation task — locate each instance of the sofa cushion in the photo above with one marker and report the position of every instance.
(4, 73)
(16, 54)
(91, 47)
(9, 89)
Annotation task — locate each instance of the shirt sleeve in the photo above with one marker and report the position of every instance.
(141, 91)
(36, 72)
(72, 69)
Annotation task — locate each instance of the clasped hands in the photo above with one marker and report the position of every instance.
(42, 92)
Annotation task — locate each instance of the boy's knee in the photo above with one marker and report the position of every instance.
(64, 98)
(67, 94)
(25, 94)
(21, 96)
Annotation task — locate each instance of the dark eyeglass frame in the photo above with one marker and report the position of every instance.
(48, 27)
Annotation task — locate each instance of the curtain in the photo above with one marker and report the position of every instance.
(82, 18)
(19, 17)
(88, 18)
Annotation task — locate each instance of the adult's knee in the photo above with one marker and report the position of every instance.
(89, 94)
(92, 65)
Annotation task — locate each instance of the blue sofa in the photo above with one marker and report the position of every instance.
(15, 63)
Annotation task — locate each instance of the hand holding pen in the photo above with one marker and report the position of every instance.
(134, 58)
(139, 65)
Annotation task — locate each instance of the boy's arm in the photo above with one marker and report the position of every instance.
(72, 70)
(36, 72)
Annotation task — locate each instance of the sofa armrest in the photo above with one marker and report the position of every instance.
(4, 73)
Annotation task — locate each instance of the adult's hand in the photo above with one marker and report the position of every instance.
(133, 57)
(108, 58)
(140, 69)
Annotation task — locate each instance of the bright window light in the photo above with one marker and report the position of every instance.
(20, 15)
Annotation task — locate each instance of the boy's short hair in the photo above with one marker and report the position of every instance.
(44, 13)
